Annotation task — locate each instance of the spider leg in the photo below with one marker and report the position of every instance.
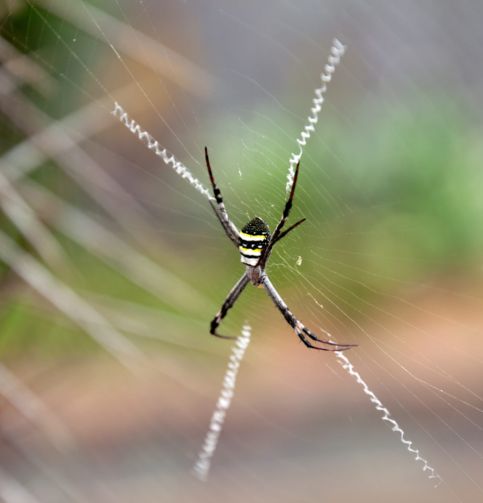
(302, 332)
(286, 212)
(287, 207)
(227, 304)
(280, 236)
(219, 208)
(291, 228)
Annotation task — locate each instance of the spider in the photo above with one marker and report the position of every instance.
(255, 244)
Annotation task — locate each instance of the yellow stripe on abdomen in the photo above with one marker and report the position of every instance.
(254, 252)
(252, 237)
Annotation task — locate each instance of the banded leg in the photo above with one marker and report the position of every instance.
(303, 332)
(229, 301)
(277, 234)
(219, 208)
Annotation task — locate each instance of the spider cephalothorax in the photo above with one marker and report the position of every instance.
(255, 244)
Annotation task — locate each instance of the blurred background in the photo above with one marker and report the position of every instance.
(112, 266)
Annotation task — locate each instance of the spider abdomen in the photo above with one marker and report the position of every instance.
(254, 237)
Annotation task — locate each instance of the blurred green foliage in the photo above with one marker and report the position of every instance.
(392, 196)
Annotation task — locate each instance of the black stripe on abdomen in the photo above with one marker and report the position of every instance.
(253, 244)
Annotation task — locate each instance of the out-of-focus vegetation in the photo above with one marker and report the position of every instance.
(391, 194)
(112, 248)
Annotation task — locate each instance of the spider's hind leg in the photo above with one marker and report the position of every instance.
(310, 345)
(304, 334)
(227, 304)
(300, 330)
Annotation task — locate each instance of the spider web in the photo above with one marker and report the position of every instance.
(388, 257)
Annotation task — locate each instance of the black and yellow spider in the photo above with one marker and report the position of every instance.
(255, 245)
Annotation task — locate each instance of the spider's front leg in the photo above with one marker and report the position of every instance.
(300, 329)
(277, 233)
(219, 206)
(229, 301)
